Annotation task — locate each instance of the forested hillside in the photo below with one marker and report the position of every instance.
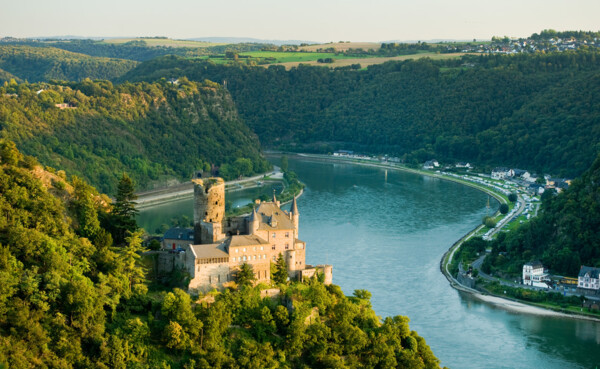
(564, 236)
(69, 298)
(35, 64)
(154, 132)
(538, 111)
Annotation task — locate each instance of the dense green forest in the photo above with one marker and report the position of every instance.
(155, 132)
(70, 298)
(537, 111)
(564, 236)
(35, 64)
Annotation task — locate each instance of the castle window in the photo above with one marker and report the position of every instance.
(274, 258)
(244, 257)
(244, 249)
(237, 250)
(273, 234)
(287, 246)
(287, 234)
(262, 248)
(273, 247)
(254, 257)
(254, 248)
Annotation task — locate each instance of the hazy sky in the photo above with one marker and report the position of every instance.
(313, 20)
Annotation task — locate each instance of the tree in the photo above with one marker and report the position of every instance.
(489, 222)
(124, 211)
(245, 276)
(284, 163)
(281, 274)
(512, 197)
(503, 208)
(133, 269)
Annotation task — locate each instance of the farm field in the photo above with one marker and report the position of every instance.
(162, 42)
(364, 62)
(342, 46)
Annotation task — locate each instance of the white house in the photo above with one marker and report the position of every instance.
(588, 278)
(535, 275)
(501, 173)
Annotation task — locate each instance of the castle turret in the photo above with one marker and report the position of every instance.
(209, 209)
(253, 222)
(295, 215)
(275, 199)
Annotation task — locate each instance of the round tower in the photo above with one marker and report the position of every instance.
(209, 209)
(253, 222)
(295, 215)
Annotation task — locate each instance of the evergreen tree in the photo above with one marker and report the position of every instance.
(133, 269)
(124, 212)
(245, 276)
(281, 275)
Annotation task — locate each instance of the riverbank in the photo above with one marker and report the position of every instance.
(496, 300)
(183, 190)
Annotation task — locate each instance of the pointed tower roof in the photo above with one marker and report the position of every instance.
(274, 198)
(254, 216)
(294, 207)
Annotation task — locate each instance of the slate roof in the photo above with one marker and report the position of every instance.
(179, 233)
(594, 272)
(535, 264)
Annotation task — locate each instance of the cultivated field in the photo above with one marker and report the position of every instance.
(364, 62)
(292, 57)
(163, 42)
(342, 46)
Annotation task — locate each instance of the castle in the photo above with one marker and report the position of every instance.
(221, 245)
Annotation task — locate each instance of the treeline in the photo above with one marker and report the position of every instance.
(564, 236)
(33, 64)
(137, 50)
(71, 298)
(155, 132)
(534, 111)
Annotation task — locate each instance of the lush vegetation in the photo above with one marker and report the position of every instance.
(564, 236)
(35, 64)
(154, 132)
(535, 111)
(70, 298)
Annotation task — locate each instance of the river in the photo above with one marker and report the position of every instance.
(386, 231)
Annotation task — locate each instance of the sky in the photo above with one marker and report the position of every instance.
(310, 20)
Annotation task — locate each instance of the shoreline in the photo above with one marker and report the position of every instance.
(186, 189)
(522, 307)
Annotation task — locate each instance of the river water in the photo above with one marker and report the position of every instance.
(386, 231)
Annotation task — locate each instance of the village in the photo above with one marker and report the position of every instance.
(529, 187)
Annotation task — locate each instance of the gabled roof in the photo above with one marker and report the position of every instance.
(179, 233)
(211, 250)
(271, 217)
(594, 272)
(245, 240)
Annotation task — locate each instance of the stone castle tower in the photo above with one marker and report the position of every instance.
(209, 210)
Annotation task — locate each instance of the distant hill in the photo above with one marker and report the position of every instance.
(138, 49)
(155, 132)
(238, 40)
(537, 111)
(45, 63)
